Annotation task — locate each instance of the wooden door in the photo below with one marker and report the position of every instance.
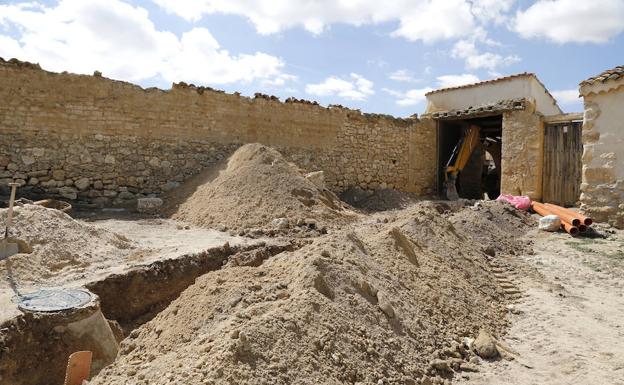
(563, 149)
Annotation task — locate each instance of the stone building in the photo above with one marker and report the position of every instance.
(603, 139)
(523, 130)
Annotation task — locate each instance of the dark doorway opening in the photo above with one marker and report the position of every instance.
(482, 173)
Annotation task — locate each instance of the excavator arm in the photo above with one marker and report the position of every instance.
(459, 158)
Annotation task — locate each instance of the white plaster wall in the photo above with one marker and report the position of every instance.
(519, 87)
(603, 156)
(608, 150)
(544, 102)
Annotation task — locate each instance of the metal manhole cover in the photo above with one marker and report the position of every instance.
(51, 300)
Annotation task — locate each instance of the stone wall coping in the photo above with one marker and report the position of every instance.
(182, 86)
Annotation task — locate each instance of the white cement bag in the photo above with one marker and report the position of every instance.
(550, 223)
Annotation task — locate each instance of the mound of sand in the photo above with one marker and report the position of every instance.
(496, 225)
(375, 303)
(60, 245)
(257, 187)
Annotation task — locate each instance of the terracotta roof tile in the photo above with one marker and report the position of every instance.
(523, 74)
(482, 110)
(612, 74)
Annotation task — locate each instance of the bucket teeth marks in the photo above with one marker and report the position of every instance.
(504, 274)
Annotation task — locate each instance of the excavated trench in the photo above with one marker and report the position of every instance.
(34, 347)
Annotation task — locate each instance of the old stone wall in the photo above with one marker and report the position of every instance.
(104, 141)
(602, 190)
(522, 152)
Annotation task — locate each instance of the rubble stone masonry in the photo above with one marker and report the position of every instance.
(602, 190)
(103, 141)
(522, 153)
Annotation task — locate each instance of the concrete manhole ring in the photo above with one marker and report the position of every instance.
(54, 299)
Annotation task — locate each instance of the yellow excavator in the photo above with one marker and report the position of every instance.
(459, 158)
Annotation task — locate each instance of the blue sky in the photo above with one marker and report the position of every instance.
(367, 54)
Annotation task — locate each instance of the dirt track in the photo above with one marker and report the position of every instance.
(569, 326)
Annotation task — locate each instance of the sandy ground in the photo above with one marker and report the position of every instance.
(569, 326)
(153, 239)
(166, 238)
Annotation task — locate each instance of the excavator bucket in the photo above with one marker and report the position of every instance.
(451, 189)
(459, 158)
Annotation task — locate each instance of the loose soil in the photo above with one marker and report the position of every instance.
(392, 294)
(258, 186)
(375, 302)
(67, 251)
(135, 276)
(59, 243)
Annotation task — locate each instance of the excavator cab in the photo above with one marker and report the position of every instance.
(459, 158)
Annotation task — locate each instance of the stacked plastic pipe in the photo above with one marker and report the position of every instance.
(572, 222)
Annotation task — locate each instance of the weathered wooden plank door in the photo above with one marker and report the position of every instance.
(563, 149)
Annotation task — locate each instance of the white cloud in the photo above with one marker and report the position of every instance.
(271, 16)
(426, 20)
(121, 41)
(474, 59)
(435, 20)
(403, 76)
(566, 97)
(279, 81)
(416, 96)
(418, 20)
(492, 10)
(564, 21)
(409, 98)
(446, 81)
(355, 87)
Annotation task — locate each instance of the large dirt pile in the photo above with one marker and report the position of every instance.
(257, 187)
(60, 245)
(374, 303)
(495, 225)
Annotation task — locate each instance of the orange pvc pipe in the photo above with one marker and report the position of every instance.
(544, 210)
(569, 228)
(563, 214)
(587, 221)
(541, 209)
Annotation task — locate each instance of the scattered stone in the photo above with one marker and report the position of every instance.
(485, 345)
(281, 223)
(467, 342)
(441, 365)
(149, 205)
(468, 367)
